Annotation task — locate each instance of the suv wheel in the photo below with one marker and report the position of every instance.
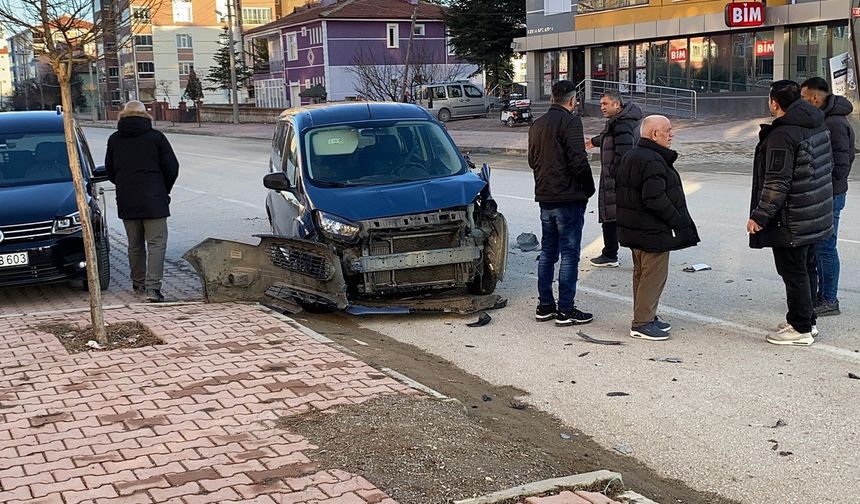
(103, 255)
(444, 115)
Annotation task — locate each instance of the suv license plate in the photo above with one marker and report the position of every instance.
(14, 259)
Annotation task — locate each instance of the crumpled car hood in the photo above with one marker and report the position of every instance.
(374, 202)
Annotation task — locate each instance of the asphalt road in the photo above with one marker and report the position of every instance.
(708, 420)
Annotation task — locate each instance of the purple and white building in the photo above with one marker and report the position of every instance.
(349, 47)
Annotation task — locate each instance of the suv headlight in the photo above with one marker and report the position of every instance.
(68, 224)
(337, 228)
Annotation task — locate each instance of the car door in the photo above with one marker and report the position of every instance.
(458, 101)
(475, 99)
(283, 205)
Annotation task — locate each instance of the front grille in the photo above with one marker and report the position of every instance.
(18, 233)
(299, 261)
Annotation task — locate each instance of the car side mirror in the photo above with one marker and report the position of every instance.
(99, 174)
(277, 181)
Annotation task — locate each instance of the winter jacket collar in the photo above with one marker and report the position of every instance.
(800, 113)
(837, 106)
(134, 124)
(668, 154)
(629, 111)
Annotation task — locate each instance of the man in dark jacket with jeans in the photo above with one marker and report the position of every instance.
(142, 165)
(617, 138)
(563, 184)
(792, 203)
(652, 220)
(836, 109)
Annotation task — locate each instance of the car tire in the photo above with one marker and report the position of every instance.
(495, 259)
(444, 115)
(103, 254)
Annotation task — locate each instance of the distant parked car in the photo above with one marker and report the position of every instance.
(453, 100)
(40, 227)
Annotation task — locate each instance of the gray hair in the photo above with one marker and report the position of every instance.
(612, 94)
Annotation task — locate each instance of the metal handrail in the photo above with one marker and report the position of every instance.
(656, 98)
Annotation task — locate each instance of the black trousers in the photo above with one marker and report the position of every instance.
(797, 267)
(610, 240)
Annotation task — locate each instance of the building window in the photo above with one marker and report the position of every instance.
(451, 50)
(146, 70)
(115, 97)
(185, 68)
(182, 12)
(113, 73)
(141, 14)
(393, 40)
(143, 40)
(419, 30)
(587, 6)
(292, 46)
(110, 47)
(256, 15)
(183, 41)
(551, 7)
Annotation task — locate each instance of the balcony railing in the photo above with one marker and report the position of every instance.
(265, 67)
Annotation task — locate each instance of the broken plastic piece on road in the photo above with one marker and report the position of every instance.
(671, 360)
(486, 398)
(853, 376)
(527, 242)
(779, 423)
(598, 341)
(483, 319)
(565, 436)
(624, 449)
(697, 267)
(617, 394)
(360, 342)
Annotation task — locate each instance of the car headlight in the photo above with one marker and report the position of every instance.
(337, 228)
(68, 224)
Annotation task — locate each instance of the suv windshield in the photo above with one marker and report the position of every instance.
(380, 153)
(33, 158)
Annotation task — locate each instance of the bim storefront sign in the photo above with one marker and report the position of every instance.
(744, 14)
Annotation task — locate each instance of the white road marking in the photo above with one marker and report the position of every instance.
(228, 200)
(222, 158)
(514, 197)
(848, 241)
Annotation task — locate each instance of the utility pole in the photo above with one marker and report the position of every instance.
(409, 51)
(234, 88)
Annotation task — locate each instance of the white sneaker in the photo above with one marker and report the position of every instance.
(788, 335)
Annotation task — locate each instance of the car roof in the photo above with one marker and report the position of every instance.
(352, 112)
(34, 121)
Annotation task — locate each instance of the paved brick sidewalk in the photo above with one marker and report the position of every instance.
(181, 283)
(192, 421)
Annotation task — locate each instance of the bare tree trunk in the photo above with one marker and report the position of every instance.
(96, 312)
(409, 52)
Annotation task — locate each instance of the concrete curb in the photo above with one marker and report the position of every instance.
(542, 487)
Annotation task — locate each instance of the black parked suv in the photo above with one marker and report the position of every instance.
(40, 227)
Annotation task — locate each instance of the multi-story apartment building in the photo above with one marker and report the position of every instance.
(728, 52)
(6, 87)
(150, 55)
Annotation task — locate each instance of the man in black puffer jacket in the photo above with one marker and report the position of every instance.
(792, 203)
(142, 165)
(617, 138)
(836, 109)
(652, 220)
(563, 184)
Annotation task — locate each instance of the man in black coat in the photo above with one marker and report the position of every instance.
(617, 138)
(792, 203)
(142, 165)
(563, 184)
(836, 109)
(652, 220)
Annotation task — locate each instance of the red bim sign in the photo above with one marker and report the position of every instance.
(764, 48)
(744, 14)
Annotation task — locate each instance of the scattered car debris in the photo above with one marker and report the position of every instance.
(779, 423)
(624, 449)
(517, 405)
(565, 436)
(853, 376)
(617, 394)
(598, 341)
(360, 342)
(528, 242)
(730, 281)
(583, 354)
(695, 268)
(775, 444)
(471, 346)
(483, 319)
(486, 398)
(671, 360)
(785, 453)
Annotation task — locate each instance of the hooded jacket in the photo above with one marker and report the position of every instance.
(618, 137)
(836, 110)
(142, 165)
(792, 191)
(558, 159)
(652, 208)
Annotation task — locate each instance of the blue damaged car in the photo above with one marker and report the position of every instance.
(370, 204)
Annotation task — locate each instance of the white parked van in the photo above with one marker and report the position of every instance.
(450, 100)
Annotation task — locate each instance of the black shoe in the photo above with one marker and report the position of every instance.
(154, 296)
(663, 326)
(572, 317)
(602, 261)
(545, 312)
(648, 332)
(138, 289)
(824, 309)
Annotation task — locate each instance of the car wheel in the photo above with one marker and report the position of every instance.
(495, 259)
(444, 115)
(103, 255)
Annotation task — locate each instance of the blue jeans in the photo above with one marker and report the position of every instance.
(561, 233)
(828, 257)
